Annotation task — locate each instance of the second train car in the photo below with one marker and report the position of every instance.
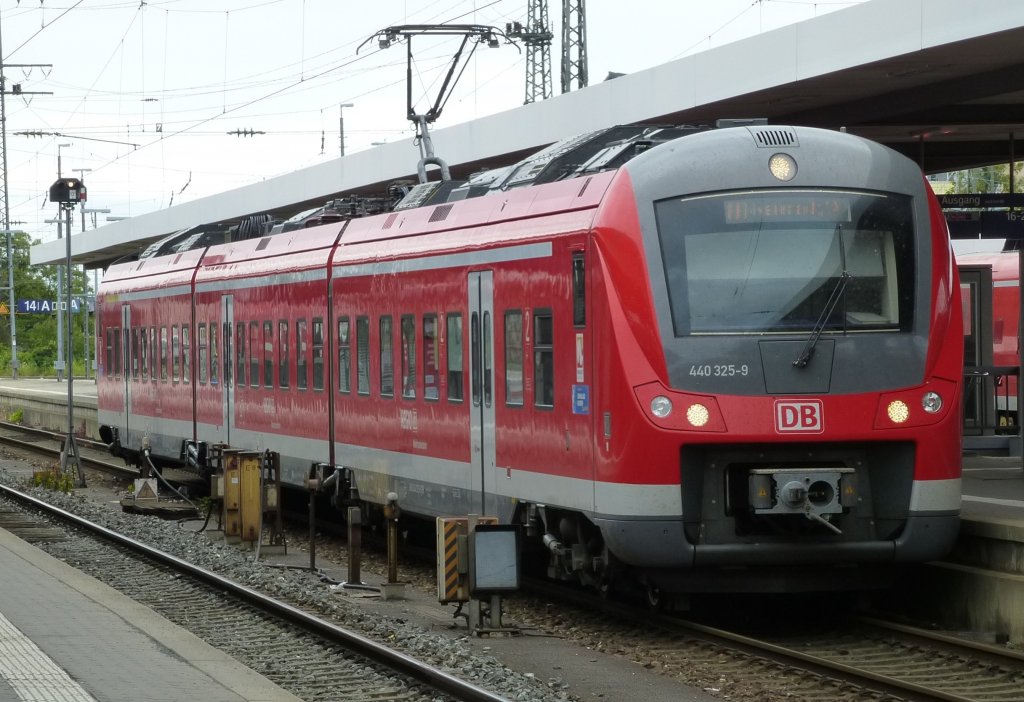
(704, 362)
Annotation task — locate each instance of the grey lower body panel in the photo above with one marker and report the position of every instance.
(663, 544)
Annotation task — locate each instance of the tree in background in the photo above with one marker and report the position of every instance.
(37, 333)
(987, 179)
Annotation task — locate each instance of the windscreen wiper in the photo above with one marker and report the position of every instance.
(807, 353)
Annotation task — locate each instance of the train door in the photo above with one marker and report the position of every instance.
(123, 367)
(979, 385)
(481, 378)
(228, 381)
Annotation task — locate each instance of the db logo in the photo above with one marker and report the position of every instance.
(802, 416)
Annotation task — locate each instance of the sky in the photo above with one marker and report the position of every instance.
(158, 102)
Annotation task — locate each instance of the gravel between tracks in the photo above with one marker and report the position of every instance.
(302, 589)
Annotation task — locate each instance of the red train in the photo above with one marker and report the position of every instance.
(707, 359)
(1005, 267)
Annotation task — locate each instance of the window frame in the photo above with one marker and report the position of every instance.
(541, 351)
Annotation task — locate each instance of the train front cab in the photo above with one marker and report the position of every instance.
(800, 383)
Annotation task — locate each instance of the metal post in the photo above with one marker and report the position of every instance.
(341, 125)
(59, 365)
(85, 301)
(475, 614)
(70, 451)
(312, 529)
(85, 293)
(355, 545)
(11, 304)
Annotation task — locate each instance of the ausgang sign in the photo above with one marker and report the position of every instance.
(970, 201)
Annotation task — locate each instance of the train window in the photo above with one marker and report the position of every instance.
(214, 355)
(175, 355)
(514, 357)
(268, 354)
(363, 355)
(488, 363)
(474, 355)
(456, 378)
(430, 369)
(163, 354)
(135, 353)
(227, 334)
(543, 359)
(254, 354)
(240, 362)
(318, 353)
(109, 364)
(301, 351)
(282, 359)
(344, 356)
(408, 355)
(143, 355)
(153, 353)
(789, 261)
(186, 355)
(387, 358)
(117, 352)
(579, 291)
(203, 359)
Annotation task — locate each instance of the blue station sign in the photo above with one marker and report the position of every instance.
(50, 306)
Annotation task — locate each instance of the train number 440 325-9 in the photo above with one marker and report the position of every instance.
(719, 370)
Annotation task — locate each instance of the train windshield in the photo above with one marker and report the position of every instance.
(785, 261)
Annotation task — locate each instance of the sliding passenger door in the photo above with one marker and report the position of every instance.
(228, 381)
(481, 395)
(123, 368)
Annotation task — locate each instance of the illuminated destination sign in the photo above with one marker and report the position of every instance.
(787, 208)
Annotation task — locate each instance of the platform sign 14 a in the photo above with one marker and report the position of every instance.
(49, 306)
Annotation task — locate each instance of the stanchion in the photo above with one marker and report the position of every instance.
(68, 192)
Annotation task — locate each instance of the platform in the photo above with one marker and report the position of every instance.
(66, 637)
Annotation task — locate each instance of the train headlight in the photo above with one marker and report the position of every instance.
(697, 415)
(898, 411)
(931, 402)
(782, 166)
(661, 406)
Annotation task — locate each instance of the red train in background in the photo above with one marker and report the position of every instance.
(1005, 339)
(723, 359)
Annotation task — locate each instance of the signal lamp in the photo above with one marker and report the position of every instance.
(898, 411)
(782, 166)
(697, 415)
(661, 406)
(931, 402)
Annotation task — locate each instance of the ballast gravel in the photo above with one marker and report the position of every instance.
(305, 589)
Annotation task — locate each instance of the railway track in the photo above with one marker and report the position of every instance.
(313, 658)
(845, 658)
(901, 662)
(43, 442)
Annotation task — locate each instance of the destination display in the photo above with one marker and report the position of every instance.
(787, 208)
